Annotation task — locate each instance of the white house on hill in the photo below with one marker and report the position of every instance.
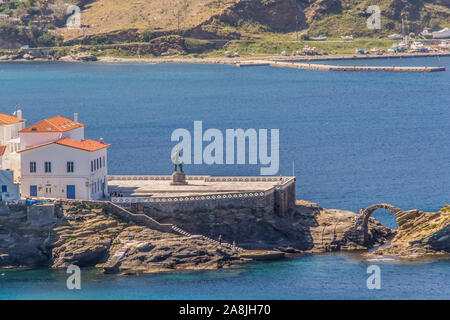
(9, 142)
(57, 162)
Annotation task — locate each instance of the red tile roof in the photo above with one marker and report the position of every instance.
(54, 124)
(8, 119)
(2, 150)
(86, 145)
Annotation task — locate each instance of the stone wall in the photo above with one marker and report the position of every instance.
(207, 202)
(284, 198)
(7, 209)
(276, 200)
(41, 214)
(111, 208)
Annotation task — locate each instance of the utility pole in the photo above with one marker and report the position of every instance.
(293, 168)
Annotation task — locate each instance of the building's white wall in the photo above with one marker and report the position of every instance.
(75, 134)
(99, 178)
(11, 159)
(6, 133)
(7, 179)
(2, 134)
(55, 187)
(28, 139)
(58, 179)
(10, 131)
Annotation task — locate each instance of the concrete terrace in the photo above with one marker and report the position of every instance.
(159, 186)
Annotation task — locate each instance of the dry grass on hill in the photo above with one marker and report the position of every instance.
(110, 15)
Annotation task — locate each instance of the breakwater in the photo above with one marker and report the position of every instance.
(326, 67)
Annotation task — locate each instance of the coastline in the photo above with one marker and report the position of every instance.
(236, 60)
(269, 58)
(93, 235)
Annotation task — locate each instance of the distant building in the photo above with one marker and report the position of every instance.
(9, 191)
(10, 125)
(57, 162)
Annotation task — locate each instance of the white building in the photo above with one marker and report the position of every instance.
(57, 162)
(9, 142)
(9, 191)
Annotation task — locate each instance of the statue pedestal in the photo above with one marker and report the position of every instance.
(178, 179)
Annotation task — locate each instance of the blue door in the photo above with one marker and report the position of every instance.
(33, 191)
(70, 192)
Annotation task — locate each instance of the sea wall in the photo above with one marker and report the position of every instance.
(207, 202)
(276, 200)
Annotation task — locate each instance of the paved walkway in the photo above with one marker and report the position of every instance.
(163, 188)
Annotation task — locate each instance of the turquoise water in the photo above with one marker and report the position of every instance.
(333, 276)
(357, 139)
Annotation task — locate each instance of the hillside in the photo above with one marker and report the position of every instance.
(254, 18)
(42, 22)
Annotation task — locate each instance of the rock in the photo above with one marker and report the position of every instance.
(169, 52)
(85, 57)
(150, 251)
(276, 15)
(27, 56)
(265, 255)
(420, 234)
(87, 235)
(14, 56)
(83, 252)
(67, 59)
(304, 227)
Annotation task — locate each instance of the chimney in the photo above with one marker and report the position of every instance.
(75, 117)
(19, 115)
(101, 140)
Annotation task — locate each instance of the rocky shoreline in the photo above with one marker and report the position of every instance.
(88, 235)
(420, 235)
(86, 57)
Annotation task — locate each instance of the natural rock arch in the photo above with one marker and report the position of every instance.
(361, 229)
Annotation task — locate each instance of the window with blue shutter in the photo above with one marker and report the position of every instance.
(48, 167)
(32, 167)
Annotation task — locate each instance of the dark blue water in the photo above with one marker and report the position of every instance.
(435, 61)
(357, 138)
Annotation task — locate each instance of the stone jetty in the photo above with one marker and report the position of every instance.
(326, 67)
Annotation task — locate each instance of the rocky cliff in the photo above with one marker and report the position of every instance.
(90, 235)
(87, 235)
(420, 234)
(304, 227)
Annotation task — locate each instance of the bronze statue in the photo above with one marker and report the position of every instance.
(176, 160)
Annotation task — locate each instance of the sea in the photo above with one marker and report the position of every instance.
(352, 139)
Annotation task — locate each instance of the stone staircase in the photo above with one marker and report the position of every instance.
(214, 242)
(143, 219)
